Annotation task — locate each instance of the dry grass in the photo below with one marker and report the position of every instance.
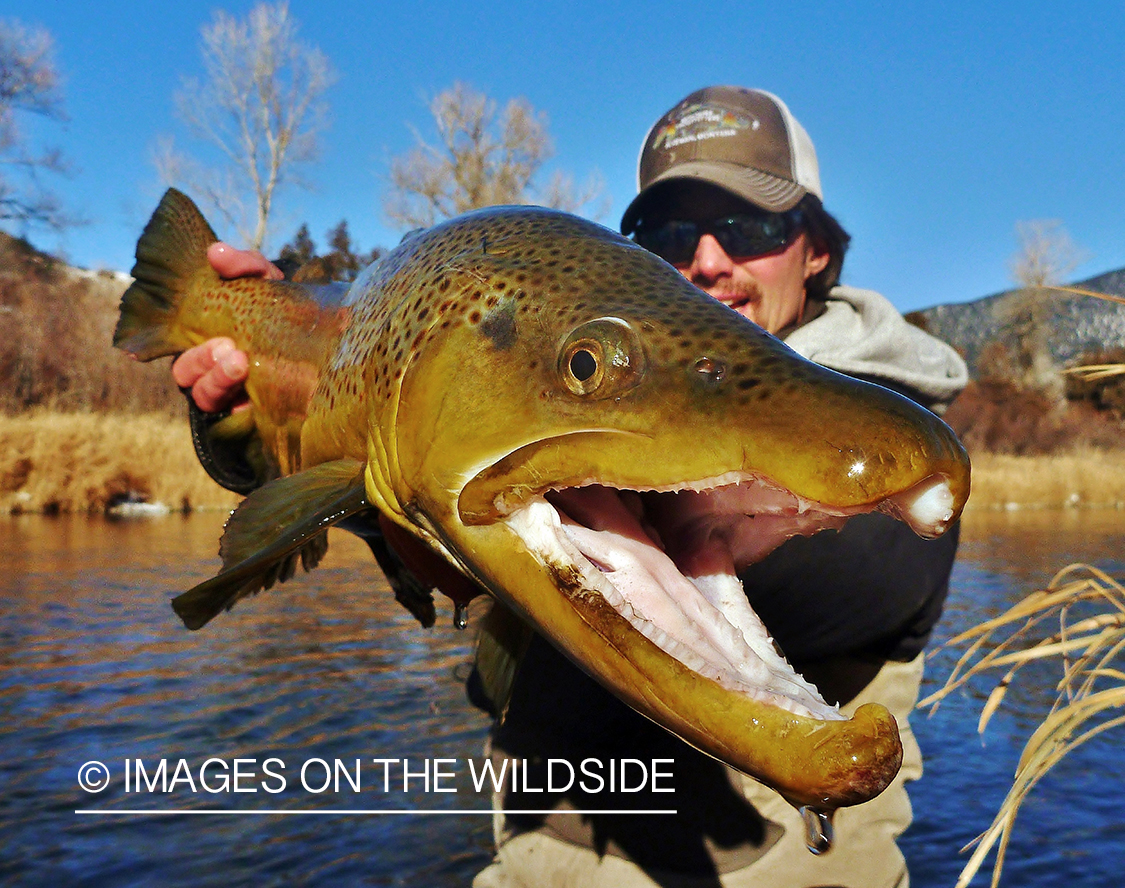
(81, 462)
(1080, 478)
(1089, 608)
(1075, 477)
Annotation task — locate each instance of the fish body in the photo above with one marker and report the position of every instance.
(564, 419)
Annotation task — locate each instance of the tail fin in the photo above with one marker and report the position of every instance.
(171, 251)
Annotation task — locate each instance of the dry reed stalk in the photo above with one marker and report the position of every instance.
(1079, 291)
(80, 462)
(1092, 683)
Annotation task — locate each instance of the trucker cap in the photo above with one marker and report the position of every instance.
(743, 140)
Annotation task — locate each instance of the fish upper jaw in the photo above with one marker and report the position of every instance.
(929, 507)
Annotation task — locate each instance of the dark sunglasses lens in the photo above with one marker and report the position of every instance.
(672, 241)
(752, 235)
(741, 236)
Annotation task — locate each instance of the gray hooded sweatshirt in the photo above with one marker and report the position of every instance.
(860, 333)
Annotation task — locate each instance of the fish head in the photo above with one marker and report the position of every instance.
(602, 446)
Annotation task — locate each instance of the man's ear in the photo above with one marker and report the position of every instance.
(816, 259)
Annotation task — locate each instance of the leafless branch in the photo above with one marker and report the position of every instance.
(1046, 254)
(261, 105)
(29, 83)
(482, 157)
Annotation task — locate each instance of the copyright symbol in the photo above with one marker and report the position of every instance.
(93, 776)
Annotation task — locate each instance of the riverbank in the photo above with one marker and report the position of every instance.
(54, 462)
(1079, 479)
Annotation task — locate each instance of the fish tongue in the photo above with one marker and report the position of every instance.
(701, 618)
(606, 509)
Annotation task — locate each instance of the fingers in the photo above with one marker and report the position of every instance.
(215, 372)
(232, 263)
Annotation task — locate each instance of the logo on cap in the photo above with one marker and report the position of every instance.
(699, 121)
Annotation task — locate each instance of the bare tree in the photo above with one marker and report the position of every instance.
(261, 105)
(483, 157)
(1046, 255)
(29, 82)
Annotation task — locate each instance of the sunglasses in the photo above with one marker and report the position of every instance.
(742, 235)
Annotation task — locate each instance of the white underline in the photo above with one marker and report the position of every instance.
(408, 811)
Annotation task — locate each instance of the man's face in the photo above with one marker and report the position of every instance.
(768, 289)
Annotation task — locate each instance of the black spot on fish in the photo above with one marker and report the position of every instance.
(499, 325)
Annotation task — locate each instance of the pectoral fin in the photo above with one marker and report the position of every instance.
(281, 522)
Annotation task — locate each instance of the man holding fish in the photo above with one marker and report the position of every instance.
(730, 195)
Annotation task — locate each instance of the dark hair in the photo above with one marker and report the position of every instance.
(826, 235)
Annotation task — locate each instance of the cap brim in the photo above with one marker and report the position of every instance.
(762, 189)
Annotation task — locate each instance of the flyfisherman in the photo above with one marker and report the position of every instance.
(730, 195)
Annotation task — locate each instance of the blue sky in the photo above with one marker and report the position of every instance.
(938, 126)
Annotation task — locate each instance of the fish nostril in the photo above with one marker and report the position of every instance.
(712, 370)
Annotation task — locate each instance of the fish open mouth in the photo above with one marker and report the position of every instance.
(667, 562)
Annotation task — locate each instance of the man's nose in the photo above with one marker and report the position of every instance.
(710, 261)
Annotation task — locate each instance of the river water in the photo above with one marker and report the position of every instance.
(95, 668)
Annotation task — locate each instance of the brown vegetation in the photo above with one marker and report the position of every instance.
(56, 330)
(82, 462)
(1100, 382)
(1080, 478)
(995, 416)
(85, 426)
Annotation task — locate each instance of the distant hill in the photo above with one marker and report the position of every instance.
(56, 332)
(1080, 326)
(998, 412)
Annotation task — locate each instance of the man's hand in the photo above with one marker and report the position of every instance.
(216, 370)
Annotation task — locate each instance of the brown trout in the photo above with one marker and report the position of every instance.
(564, 419)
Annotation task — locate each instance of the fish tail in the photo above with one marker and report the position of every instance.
(171, 253)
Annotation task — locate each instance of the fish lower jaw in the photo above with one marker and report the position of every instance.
(768, 680)
(704, 622)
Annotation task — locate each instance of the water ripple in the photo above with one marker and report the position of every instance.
(94, 666)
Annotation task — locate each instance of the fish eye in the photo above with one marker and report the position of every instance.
(583, 363)
(601, 359)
